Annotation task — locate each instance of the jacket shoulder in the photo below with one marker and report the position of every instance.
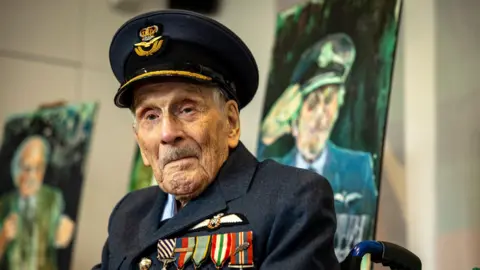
(348, 154)
(133, 204)
(288, 179)
(51, 192)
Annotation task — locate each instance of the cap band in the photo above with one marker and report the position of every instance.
(319, 81)
(192, 71)
(166, 73)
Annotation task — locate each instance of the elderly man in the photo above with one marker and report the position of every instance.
(308, 110)
(185, 78)
(31, 218)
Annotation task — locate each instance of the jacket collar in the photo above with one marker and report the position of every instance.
(232, 182)
(237, 172)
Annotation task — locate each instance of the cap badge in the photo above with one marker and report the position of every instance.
(151, 43)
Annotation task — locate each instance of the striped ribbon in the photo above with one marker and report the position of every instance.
(165, 250)
(242, 256)
(184, 251)
(221, 249)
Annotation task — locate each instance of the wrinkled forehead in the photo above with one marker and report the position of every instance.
(35, 154)
(167, 91)
(33, 160)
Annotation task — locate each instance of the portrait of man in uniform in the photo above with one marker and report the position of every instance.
(327, 100)
(308, 110)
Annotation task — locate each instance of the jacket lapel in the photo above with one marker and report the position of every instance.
(210, 203)
(150, 223)
(232, 182)
(331, 171)
(235, 176)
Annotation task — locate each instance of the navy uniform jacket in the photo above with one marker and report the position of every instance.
(350, 174)
(290, 212)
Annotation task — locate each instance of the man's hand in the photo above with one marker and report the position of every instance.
(9, 230)
(64, 232)
(278, 120)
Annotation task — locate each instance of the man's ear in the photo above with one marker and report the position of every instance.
(142, 153)
(233, 118)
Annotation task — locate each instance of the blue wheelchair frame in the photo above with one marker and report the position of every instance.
(386, 253)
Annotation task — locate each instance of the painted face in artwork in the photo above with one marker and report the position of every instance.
(32, 166)
(316, 120)
(184, 132)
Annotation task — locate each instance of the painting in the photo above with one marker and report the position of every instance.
(327, 100)
(42, 167)
(141, 176)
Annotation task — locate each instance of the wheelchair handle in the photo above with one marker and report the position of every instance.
(386, 253)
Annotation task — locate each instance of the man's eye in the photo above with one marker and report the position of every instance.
(328, 98)
(151, 116)
(187, 110)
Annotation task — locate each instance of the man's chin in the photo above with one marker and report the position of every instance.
(185, 197)
(310, 155)
(28, 192)
(190, 194)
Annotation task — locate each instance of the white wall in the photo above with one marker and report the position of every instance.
(58, 49)
(419, 42)
(442, 131)
(458, 129)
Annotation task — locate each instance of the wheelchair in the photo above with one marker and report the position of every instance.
(386, 253)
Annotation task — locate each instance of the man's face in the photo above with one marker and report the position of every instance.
(317, 118)
(184, 135)
(32, 167)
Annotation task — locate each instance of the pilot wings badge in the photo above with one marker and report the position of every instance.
(151, 43)
(218, 220)
(347, 198)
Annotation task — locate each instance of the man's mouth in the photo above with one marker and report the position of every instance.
(316, 129)
(182, 159)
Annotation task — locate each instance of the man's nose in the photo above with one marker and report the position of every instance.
(29, 170)
(319, 109)
(172, 131)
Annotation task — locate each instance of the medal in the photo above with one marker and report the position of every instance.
(165, 249)
(145, 264)
(183, 251)
(242, 257)
(202, 243)
(221, 249)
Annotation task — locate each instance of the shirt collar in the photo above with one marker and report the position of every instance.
(31, 200)
(317, 163)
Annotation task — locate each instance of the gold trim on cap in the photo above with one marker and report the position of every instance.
(168, 73)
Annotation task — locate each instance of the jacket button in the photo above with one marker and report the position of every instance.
(145, 264)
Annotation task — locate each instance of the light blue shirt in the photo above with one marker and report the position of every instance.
(170, 208)
(318, 164)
